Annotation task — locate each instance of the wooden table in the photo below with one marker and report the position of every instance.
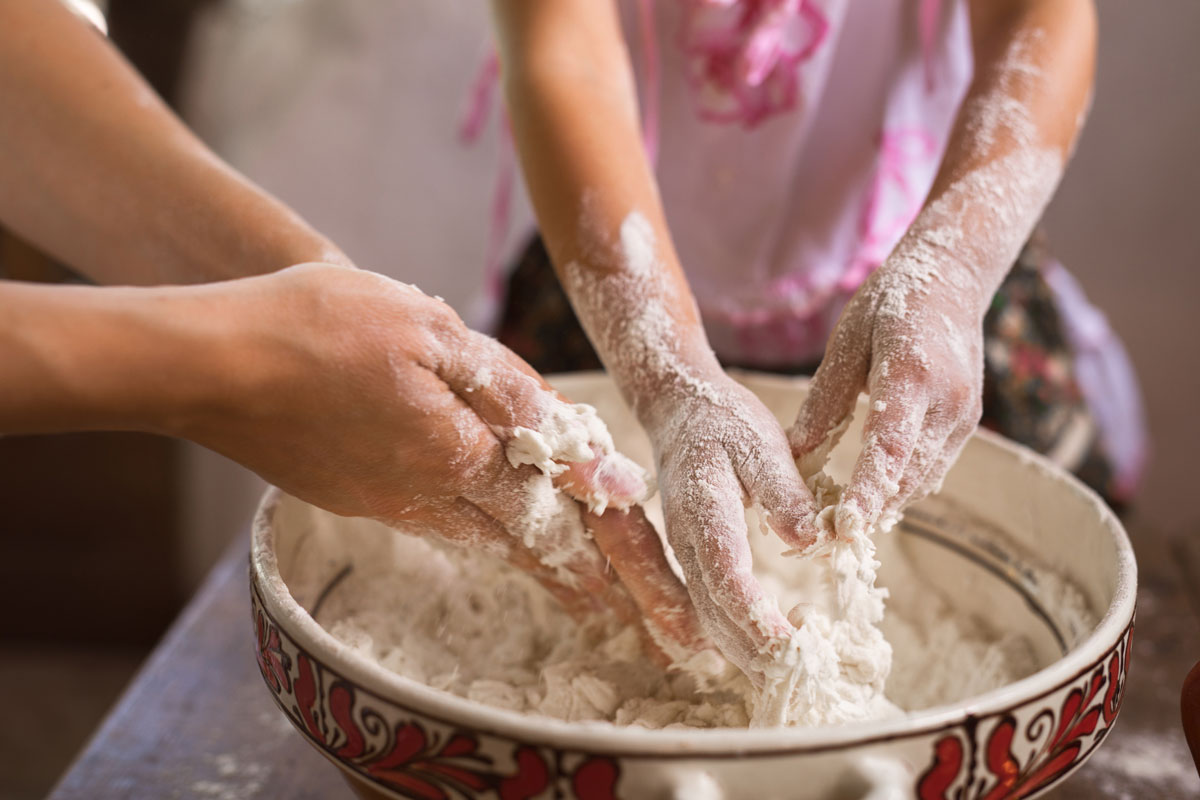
(197, 722)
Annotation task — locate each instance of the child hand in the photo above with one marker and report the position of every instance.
(719, 449)
(912, 337)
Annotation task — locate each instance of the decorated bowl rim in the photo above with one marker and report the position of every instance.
(606, 738)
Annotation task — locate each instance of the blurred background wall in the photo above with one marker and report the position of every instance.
(348, 110)
(1127, 223)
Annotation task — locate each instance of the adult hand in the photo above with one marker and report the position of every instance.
(719, 449)
(366, 397)
(912, 337)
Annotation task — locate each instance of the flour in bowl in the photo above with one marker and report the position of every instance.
(468, 624)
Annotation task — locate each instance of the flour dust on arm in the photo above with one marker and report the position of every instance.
(912, 336)
(717, 448)
(574, 111)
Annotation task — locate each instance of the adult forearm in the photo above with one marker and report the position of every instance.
(85, 358)
(97, 171)
(1013, 135)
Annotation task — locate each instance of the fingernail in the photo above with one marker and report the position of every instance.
(849, 522)
(806, 535)
(623, 478)
(797, 614)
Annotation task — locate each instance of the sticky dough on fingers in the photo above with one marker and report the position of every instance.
(707, 529)
(890, 435)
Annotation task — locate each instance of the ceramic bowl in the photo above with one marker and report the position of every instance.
(1003, 538)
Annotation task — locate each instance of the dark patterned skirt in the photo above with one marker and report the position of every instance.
(1029, 391)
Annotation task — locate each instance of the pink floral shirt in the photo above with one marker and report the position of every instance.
(800, 138)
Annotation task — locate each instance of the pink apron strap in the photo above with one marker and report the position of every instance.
(479, 101)
(651, 83)
(928, 16)
(471, 126)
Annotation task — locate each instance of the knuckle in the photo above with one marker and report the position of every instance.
(956, 402)
(444, 326)
(894, 449)
(962, 397)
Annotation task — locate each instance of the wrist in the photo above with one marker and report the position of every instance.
(686, 373)
(922, 260)
(168, 348)
(169, 360)
(86, 358)
(228, 352)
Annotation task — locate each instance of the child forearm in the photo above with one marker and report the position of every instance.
(912, 335)
(1034, 64)
(570, 95)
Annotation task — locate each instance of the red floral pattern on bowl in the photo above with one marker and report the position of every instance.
(400, 739)
(416, 756)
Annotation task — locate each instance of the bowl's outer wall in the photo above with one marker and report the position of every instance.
(1037, 730)
(406, 752)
